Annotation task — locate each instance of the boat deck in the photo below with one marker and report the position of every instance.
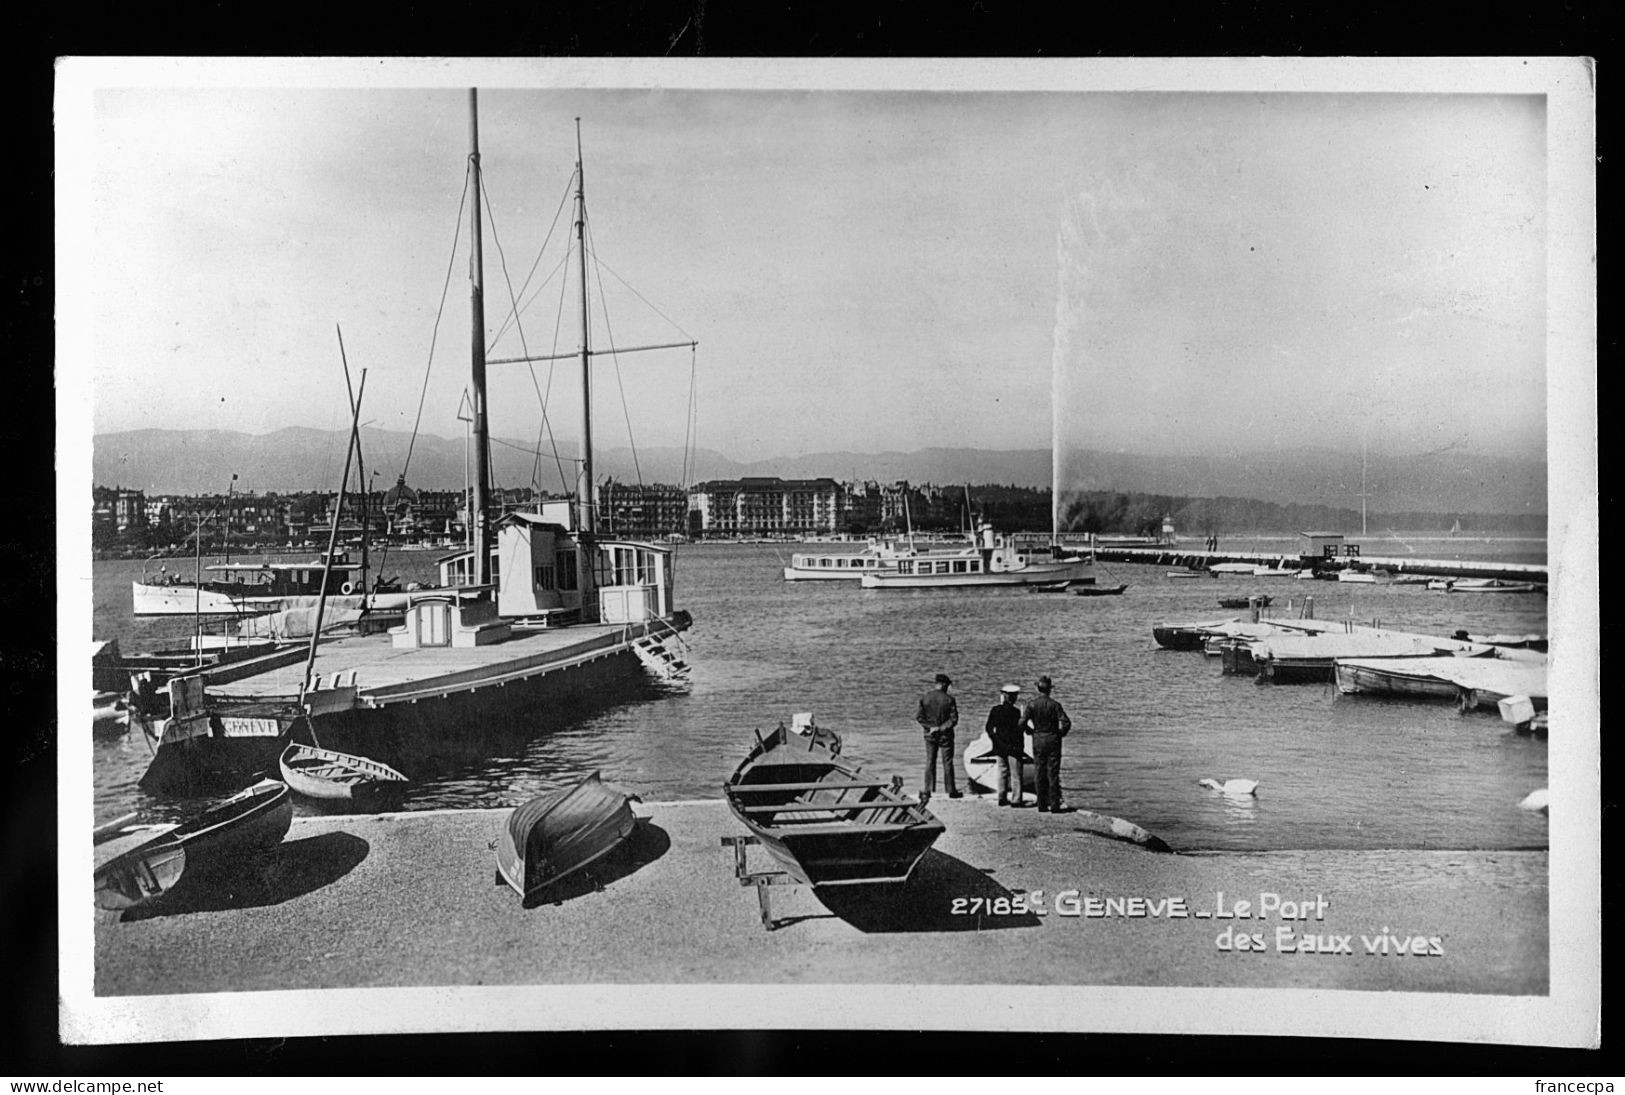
(384, 673)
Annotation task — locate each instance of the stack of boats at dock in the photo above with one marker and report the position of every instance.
(1497, 673)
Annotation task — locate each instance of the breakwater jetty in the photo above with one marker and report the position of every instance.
(1178, 556)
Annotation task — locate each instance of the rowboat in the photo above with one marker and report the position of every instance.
(1186, 574)
(330, 776)
(1244, 602)
(816, 816)
(1099, 590)
(1489, 585)
(560, 832)
(214, 842)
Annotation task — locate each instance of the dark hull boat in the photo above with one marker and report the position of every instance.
(1243, 602)
(339, 778)
(558, 833)
(214, 842)
(1100, 591)
(819, 819)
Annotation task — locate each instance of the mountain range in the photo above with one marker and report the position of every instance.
(302, 459)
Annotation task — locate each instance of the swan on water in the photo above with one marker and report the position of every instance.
(1535, 800)
(1232, 786)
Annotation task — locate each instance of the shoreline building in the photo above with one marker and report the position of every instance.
(766, 506)
(642, 511)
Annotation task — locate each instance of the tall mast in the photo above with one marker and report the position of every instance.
(476, 277)
(589, 520)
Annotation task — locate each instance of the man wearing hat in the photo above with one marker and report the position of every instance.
(938, 714)
(1004, 728)
(1048, 722)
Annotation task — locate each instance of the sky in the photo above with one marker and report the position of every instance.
(875, 269)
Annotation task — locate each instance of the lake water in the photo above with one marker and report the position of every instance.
(1334, 771)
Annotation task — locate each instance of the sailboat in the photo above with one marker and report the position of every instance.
(570, 614)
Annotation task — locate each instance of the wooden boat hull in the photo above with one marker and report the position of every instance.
(558, 833)
(1100, 591)
(822, 822)
(214, 842)
(329, 776)
(1353, 678)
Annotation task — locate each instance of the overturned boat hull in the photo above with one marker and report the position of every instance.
(556, 834)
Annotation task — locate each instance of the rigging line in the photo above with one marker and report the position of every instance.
(434, 336)
(599, 262)
(688, 418)
(542, 397)
(514, 315)
(524, 305)
(502, 261)
(609, 332)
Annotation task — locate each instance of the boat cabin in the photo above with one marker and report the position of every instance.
(1325, 545)
(543, 569)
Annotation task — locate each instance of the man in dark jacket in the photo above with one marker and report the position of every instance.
(938, 715)
(1048, 723)
(1004, 729)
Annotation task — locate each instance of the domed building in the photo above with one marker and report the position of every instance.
(419, 515)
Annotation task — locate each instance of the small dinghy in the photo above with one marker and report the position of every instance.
(1244, 602)
(1100, 591)
(215, 842)
(558, 833)
(328, 776)
(819, 819)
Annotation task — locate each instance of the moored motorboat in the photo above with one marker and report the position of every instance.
(1244, 602)
(215, 842)
(1491, 585)
(818, 818)
(1100, 591)
(558, 833)
(329, 776)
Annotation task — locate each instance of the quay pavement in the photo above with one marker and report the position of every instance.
(410, 900)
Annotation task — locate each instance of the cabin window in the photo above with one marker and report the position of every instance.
(566, 571)
(905, 566)
(544, 577)
(976, 566)
(959, 566)
(823, 563)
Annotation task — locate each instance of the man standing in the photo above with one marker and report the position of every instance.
(938, 715)
(1004, 728)
(1048, 722)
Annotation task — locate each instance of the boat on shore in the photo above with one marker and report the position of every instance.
(218, 841)
(569, 615)
(560, 832)
(982, 767)
(819, 818)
